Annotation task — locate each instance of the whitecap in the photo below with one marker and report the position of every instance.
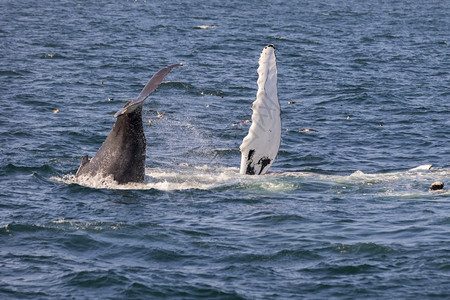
(205, 27)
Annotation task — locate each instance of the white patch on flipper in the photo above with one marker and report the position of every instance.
(260, 147)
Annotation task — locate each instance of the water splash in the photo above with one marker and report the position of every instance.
(414, 182)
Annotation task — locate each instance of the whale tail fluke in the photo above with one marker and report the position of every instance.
(122, 154)
(151, 85)
(260, 147)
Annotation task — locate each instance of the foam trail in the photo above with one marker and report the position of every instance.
(185, 177)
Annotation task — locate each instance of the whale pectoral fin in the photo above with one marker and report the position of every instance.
(84, 161)
(260, 147)
(151, 85)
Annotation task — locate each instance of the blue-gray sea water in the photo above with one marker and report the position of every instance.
(344, 213)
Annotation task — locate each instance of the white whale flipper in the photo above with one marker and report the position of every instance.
(260, 147)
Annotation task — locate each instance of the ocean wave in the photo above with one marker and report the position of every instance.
(62, 225)
(9, 169)
(369, 249)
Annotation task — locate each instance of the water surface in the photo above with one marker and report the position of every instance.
(343, 214)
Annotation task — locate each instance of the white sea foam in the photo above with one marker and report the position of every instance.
(205, 26)
(184, 177)
(204, 177)
(79, 225)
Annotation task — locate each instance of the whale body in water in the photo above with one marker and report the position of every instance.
(122, 154)
(260, 147)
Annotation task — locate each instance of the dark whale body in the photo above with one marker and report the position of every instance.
(122, 154)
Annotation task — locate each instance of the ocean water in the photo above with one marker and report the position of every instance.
(345, 212)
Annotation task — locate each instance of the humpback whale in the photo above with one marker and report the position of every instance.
(122, 154)
(260, 147)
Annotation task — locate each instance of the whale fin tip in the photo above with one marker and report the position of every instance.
(84, 161)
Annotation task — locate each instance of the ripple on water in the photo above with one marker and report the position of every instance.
(342, 213)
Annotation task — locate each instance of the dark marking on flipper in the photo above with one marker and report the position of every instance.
(250, 154)
(250, 169)
(264, 162)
